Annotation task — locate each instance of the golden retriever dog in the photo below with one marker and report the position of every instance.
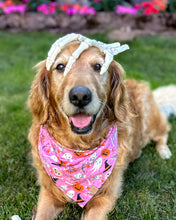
(78, 110)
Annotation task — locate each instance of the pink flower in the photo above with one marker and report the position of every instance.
(75, 9)
(87, 10)
(69, 11)
(125, 10)
(52, 10)
(47, 8)
(43, 8)
(83, 10)
(91, 11)
(21, 8)
(52, 7)
(7, 10)
(15, 8)
(54, 4)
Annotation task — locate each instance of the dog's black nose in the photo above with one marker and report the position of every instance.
(80, 96)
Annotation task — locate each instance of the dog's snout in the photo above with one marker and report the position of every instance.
(80, 96)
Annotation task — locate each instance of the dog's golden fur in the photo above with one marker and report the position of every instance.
(129, 104)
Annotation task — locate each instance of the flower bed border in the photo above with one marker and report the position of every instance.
(87, 24)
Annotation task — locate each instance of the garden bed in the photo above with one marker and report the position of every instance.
(118, 25)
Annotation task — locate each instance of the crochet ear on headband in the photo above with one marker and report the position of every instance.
(108, 49)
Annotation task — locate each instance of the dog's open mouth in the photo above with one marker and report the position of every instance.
(81, 123)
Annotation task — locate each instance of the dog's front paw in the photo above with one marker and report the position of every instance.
(16, 217)
(164, 152)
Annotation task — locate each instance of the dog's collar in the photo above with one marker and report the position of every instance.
(79, 174)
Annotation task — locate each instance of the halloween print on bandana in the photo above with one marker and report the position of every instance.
(79, 174)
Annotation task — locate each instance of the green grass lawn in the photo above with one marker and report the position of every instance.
(150, 183)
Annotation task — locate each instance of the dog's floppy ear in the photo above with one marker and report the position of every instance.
(39, 96)
(118, 99)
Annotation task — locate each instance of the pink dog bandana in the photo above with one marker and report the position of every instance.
(79, 174)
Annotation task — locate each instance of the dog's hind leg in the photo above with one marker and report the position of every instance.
(162, 147)
(162, 129)
(166, 101)
(48, 208)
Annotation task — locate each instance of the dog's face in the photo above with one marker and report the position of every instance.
(82, 96)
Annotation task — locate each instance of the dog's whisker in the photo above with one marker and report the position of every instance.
(106, 106)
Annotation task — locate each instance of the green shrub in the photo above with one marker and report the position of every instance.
(33, 4)
(171, 6)
(105, 5)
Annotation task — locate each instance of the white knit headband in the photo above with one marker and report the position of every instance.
(108, 49)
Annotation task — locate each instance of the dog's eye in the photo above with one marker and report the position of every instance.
(97, 67)
(60, 67)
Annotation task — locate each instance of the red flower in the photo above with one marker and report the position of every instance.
(137, 6)
(77, 6)
(151, 10)
(160, 4)
(64, 7)
(146, 4)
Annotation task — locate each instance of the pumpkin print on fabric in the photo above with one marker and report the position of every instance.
(105, 152)
(78, 154)
(79, 174)
(78, 187)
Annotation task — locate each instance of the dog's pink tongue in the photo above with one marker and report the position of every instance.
(80, 120)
